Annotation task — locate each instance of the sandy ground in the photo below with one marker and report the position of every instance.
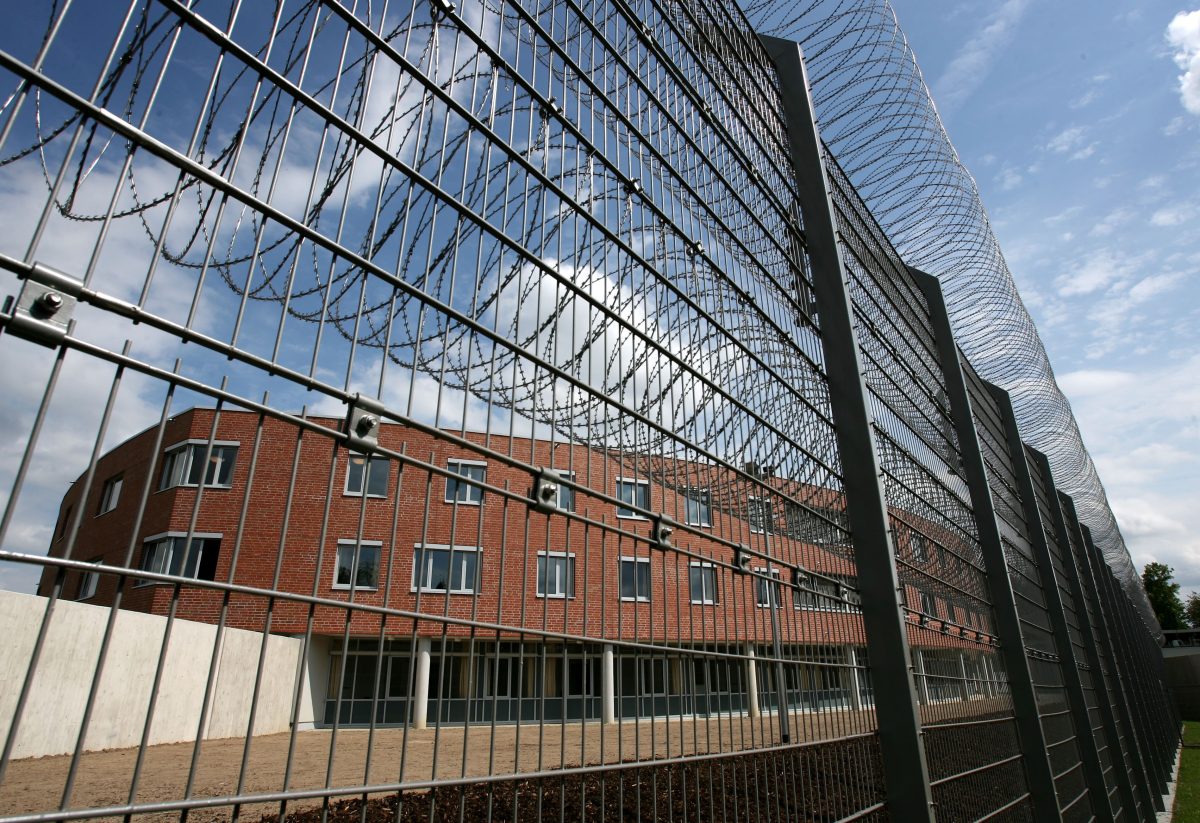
(231, 766)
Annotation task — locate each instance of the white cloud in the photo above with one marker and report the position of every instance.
(1172, 215)
(1095, 272)
(1110, 222)
(1086, 152)
(1176, 126)
(1067, 140)
(1009, 179)
(974, 59)
(1085, 99)
(1183, 34)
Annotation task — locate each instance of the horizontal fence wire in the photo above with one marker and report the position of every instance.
(423, 411)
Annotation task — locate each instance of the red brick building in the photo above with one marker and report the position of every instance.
(445, 525)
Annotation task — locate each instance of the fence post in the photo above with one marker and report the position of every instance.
(1120, 699)
(1030, 737)
(906, 771)
(1137, 690)
(1089, 757)
(1070, 535)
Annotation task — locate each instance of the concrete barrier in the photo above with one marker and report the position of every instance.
(53, 714)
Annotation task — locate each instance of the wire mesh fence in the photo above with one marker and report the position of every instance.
(508, 411)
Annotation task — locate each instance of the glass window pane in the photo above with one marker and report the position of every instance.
(628, 581)
(463, 571)
(354, 472)
(377, 478)
(438, 575)
(541, 575)
(643, 580)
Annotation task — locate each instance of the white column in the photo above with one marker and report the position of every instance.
(752, 680)
(962, 667)
(854, 679)
(421, 684)
(608, 686)
(989, 675)
(919, 670)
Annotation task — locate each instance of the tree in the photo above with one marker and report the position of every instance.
(1163, 592)
(1193, 609)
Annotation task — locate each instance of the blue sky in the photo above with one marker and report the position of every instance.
(1081, 125)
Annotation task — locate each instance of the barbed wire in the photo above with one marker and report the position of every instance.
(877, 116)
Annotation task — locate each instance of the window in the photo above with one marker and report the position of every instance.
(635, 578)
(818, 593)
(110, 494)
(178, 555)
(928, 606)
(635, 493)
(555, 574)
(465, 490)
(88, 581)
(566, 494)
(766, 593)
(916, 543)
(699, 508)
(357, 573)
(452, 569)
(759, 515)
(182, 464)
(376, 469)
(702, 582)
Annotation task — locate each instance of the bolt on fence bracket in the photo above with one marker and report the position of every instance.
(362, 423)
(42, 310)
(664, 527)
(546, 484)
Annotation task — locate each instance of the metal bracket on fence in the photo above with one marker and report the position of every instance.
(362, 423)
(546, 484)
(42, 310)
(741, 559)
(664, 527)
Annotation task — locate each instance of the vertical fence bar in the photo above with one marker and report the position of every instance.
(1058, 500)
(1069, 535)
(1124, 659)
(1032, 741)
(1093, 775)
(906, 771)
(1124, 772)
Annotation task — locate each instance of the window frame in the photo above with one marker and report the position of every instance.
(711, 568)
(693, 495)
(636, 484)
(638, 563)
(198, 539)
(462, 481)
(108, 499)
(764, 504)
(928, 605)
(351, 543)
(918, 545)
(89, 582)
(365, 475)
(423, 550)
(761, 584)
(546, 556)
(565, 491)
(178, 476)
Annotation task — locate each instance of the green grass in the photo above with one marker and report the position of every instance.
(1187, 790)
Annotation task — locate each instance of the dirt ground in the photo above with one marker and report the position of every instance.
(389, 756)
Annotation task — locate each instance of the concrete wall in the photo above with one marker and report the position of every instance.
(51, 721)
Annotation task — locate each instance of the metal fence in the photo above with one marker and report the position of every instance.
(509, 411)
